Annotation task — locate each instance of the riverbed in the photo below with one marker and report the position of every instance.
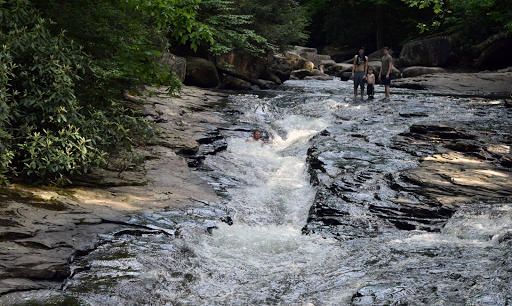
(315, 217)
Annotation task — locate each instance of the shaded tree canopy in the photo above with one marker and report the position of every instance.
(357, 22)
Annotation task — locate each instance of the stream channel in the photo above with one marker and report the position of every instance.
(269, 250)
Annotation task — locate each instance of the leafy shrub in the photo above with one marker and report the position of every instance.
(61, 112)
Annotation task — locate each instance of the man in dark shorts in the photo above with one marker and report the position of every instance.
(385, 70)
(359, 71)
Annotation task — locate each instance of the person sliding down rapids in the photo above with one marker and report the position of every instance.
(256, 137)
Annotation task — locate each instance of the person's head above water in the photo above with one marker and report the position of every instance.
(256, 134)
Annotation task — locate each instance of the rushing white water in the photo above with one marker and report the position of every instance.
(264, 259)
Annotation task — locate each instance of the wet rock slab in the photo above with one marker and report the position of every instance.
(480, 84)
(43, 230)
(456, 165)
(466, 166)
(41, 239)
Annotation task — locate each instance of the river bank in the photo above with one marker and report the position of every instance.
(43, 229)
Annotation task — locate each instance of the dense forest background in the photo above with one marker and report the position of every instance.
(375, 23)
(65, 66)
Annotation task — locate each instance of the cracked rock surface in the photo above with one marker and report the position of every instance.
(43, 229)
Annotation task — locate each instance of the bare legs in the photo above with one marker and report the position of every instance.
(355, 93)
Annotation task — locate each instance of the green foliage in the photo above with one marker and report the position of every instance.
(230, 30)
(61, 112)
(180, 17)
(281, 23)
(121, 36)
(222, 26)
(211, 24)
(476, 18)
(65, 65)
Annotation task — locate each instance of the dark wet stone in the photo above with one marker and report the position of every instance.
(505, 238)
(506, 161)
(464, 146)
(325, 133)
(210, 143)
(210, 136)
(34, 245)
(409, 114)
(15, 235)
(338, 197)
(227, 220)
(437, 130)
(8, 285)
(138, 232)
(212, 148)
(411, 85)
(9, 223)
(41, 270)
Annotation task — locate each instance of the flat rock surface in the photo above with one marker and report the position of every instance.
(482, 83)
(42, 229)
(466, 165)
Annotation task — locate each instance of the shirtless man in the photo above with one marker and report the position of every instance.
(256, 135)
(359, 70)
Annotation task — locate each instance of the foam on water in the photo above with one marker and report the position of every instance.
(264, 259)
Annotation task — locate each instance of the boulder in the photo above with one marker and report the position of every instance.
(278, 66)
(311, 54)
(301, 50)
(269, 76)
(508, 69)
(395, 73)
(230, 82)
(344, 76)
(201, 73)
(302, 73)
(297, 62)
(243, 64)
(317, 59)
(494, 53)
(340, 54)
(324, 77)
(339, 67)
(265, 84)
(432, 52)
(418, 70)
(327, 63)
(177, 64)
(377, 55)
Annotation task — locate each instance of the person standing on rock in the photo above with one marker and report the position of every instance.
(256, 137)
(370, 78)
(385, 70)
(359, 71)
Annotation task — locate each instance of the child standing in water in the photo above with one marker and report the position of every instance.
(370, 78)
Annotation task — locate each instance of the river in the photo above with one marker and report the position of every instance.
(268, 254)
